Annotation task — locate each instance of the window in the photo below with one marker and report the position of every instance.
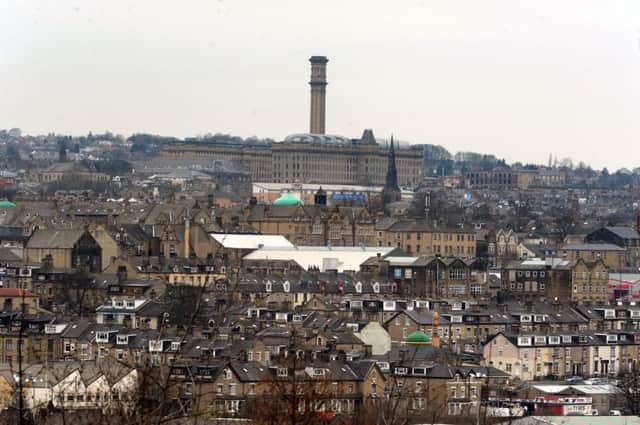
(317, 228)
(227, 374)
(524, 340)
(219, 389)
(188, 388)
(102, 337)
(252, 389)
(232, 389)
(122, 339)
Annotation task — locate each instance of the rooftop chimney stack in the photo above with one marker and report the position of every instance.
(318, 85)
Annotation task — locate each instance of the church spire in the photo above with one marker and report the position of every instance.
(391, 189)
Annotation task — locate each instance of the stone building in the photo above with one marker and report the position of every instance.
(312, 158)
(417, 237)
(313, 224)
(627, 238)
(529, 356)
(73, 248)
(612, 255)
(590, 281)
(72, 171)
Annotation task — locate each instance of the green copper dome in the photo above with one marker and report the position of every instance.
(7, 204)
(288, 199)
(418, 337)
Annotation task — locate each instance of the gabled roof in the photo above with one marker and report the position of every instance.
(624, 232)
(52, 239)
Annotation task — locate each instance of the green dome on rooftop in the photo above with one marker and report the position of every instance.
(418, 338)
(7, 204)
(288, 199)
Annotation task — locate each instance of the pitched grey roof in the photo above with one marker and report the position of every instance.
(9, 255)
(624, 232)
(592, 247)
(48, 239)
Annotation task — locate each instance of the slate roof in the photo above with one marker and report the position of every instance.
(624, 232)
(52, 239)
(9, 255)
(11, 233)
(592, 247)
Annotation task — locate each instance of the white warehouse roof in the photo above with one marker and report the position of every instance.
(325, 258)
(244, 241)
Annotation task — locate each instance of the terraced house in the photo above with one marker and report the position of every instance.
(418, 237)
(529, 356)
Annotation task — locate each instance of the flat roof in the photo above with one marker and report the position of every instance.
(325, 258)
(246, 241)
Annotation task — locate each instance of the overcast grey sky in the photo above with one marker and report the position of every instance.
(521, 79)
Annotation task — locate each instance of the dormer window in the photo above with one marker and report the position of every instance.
(268, 286)
(227, 374)
(122, 339)
(282, 372)
(524, 340)
(102, 337)
(401, 371)
(359, 287)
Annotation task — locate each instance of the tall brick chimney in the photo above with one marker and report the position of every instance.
(318, 85)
